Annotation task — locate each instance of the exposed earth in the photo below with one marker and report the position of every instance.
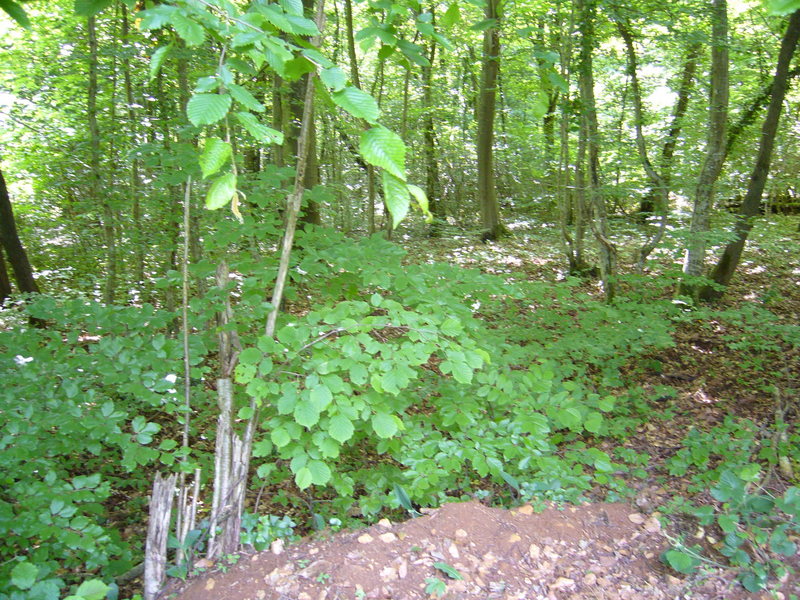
(594, 551)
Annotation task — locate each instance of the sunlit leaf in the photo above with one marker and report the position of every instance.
(206, 109)
(221, 192)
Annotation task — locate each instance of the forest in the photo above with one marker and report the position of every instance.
(284, 268)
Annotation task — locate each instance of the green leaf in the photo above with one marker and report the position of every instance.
(395, 193)
(359, 104)
(341, 428)
(569, 417)
(93, 589)
(593, 422)
(435, 586)
(16, 12)
(303, 478)
(320, 473)
(461, 372)
(157, 59)
(385, 149)
(782, 7)
(245, 98)
(280, 437)
(451, 572)
(191, 32)
(333, 78)
(89, 8)
(216, 153)
(321, 397)
(221, 191)
(260, 132)
(451, 16)
(206, 109)
(422, 200)
(306, 414)
(292, 7)
(358, 374)
(155, 18)
(24, 575)
(384, 425)
(681, 561)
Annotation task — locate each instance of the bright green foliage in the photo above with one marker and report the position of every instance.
(78, 401)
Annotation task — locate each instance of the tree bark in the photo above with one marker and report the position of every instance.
(95, 175)
(14, 251)
(725, 268)
(487, 192)
(432, 187)
(607, 250)
(715, 148)
(5, 282)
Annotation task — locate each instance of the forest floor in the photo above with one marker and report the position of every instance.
(596, 550)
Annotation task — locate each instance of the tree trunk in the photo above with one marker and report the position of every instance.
(95, 176)
(599, 224)
(9, 239)
(487, 192)
(432, 187)
(729, 260)
(5, 282)
(715, 148)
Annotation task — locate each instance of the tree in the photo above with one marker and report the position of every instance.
(487, 191)
(715, 148)
(751, 206)
(11, 244)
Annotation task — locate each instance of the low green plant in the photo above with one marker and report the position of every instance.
(755, 525)
(260, 531)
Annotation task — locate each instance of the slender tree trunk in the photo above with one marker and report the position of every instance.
(715, 148)
(725, 268)
(432, 187)
(5, 282)
(607, 250)
(11, 244)
(487, 192)
(95, 176)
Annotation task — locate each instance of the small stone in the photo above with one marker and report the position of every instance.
(303, 596)
(261, 594)
(276, 547)
(385, 523)
(527, 509)
(402, 570)
(514, 538)
(365, 538)
(590, 579)
(387, 538)
(389, 574)
(210, 583)
(636, 518)
(460, 533)
(313, 551)
(535, 552)
(652, 525)
(453, 551)
(562, 583)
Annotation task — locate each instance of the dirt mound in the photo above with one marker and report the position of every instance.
(466, 551)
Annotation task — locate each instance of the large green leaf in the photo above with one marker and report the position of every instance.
(359, 104)
(333, 78)
(157, 60)
(306, 414)
(395, 192)
(245, 98)
(341, 428)
(221, 192)
(303, 478)
(422, 200)
(93, 589)
(89, 8)
(24, 575)
(385, 149)
(260, 132)
(156, 18)
(191, 32)
(782, 7)
(320, 473)
(215, 154)
(384, 425)
(206, 109)
(16, 12)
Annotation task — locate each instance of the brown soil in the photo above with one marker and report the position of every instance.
(595, 551)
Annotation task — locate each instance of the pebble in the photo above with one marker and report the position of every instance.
(388, 537)
(277, 546)
(636, 518)
(365, 538)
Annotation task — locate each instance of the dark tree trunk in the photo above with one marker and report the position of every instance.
(17, 257)
(729, 260)
(487, 192)
(5, 282)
